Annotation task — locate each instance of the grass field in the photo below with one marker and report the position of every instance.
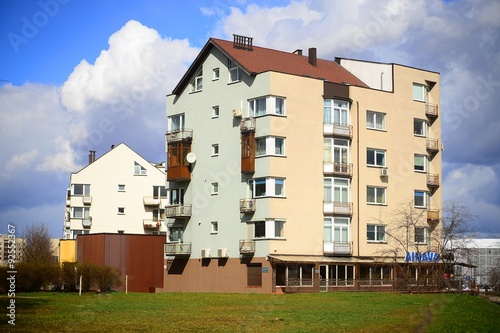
(211, 312)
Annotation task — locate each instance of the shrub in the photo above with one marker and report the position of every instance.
(96, 277)
(36, 276)
(69, 276)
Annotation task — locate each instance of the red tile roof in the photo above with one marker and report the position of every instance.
(261, 59)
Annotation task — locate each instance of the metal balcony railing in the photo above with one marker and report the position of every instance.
(247, 124)
(433, 215)
(338, 169)
(432, 145)
(247, 205)
(432, 180)
(151, 223)
(179, 135)
(431, 110)
(247, 246)
(175, 249)
(178, 211)
(337, 248)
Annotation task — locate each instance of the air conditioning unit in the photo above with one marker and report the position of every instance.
(206, 253)
(237, 113)
(222, 252)
(384, 172)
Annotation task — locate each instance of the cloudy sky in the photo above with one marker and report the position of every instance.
(79, 75)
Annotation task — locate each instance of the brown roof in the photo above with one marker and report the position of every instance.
(261, 59)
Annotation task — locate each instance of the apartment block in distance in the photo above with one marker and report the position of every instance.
(290, 173)
(120, 192)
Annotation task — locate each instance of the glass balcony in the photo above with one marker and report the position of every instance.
(177, 249)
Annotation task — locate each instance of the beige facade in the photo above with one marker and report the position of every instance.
(120, 192)
(292, 172)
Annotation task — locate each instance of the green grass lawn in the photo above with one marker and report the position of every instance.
(212, 312)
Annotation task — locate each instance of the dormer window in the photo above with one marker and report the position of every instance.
(197, 82)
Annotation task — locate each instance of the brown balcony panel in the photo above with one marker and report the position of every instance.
(247, 205)
(180, 135)
(433, 180)
(178, 211)
(177, 249)
(180, 173)
(433, 215)
(247, 246)
(432, 145)
(431, 110)
(247, 125)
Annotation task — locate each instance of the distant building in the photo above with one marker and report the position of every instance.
(120, 192)
(280, 164)
(5, 248)
(480, 257)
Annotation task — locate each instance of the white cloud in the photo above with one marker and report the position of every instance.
(21, 161)
(64, 159)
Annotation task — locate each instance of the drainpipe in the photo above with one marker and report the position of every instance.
(357, 166)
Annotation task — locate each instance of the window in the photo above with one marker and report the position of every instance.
(270, 228)
(336, 112)
(336, 230)
(176, 196)
(375, 157)
(160, 192)
(81, 189)
(419, 127)
(215, 111)
(215, 149)
(336, 151)
(375, 120)
(336, 190)
(197, 82)
(234, 72)
(176, 123)
(375, 195)
(215, 188)
(300, 275)
(139, 169)
(262, 187)
(375, 275)
(420, 199)
(80, 212)
(270, 146)
(215, 227)
(266, 105)
(421, 235)
(419, 92)
(121, 210)
(216, 74)
(121, 188)
(375, 233)
(420, 163)
(175, 234)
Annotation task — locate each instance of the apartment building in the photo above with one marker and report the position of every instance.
(15, 250)
(290, 173)
(120, 192)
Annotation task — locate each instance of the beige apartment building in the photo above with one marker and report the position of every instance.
(290, 173)
(119, 192)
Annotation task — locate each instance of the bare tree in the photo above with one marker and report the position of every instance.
(38, 246)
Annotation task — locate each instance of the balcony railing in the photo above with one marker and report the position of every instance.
(178, 211)
(432, 180)
(431, 110)
(338, 130)
(67, 225)
(247, 125)
(247, 205)
(340, 248)
(154, 201)
(337, 208)
(247, 246)
(87, 223)
(177, 249)
(180, 135)
(151, 223)
(433, 215)
(338, 169)
(87, 199)
(432, 145)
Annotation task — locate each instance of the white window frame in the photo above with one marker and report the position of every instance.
(214, 227)
(376, 194)
(84, 212)
(273, 229)
(338, 188)
(376, 153)
(215, 188)
(269, 146)
(425, 197)
(215, 149)
(419, 92)
(336, 112)
(178, 120)
(84, 187)
(216, 74)
(197, 81)
(270, 104)
(336, 226)
(421, 232)
(270, 186)
(425, 163)
(234, 72)
(139, 170)
(336, 151)
(372, 120)
(424, 125)
(376, 233)
(215, 111)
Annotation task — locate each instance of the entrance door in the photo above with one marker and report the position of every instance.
(323, 278)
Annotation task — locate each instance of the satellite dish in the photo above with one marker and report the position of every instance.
(191, 157)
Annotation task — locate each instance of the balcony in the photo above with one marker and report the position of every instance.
(87, 223)
(339, 130)
(87, 199)
(433, 215)
(67, 225)
(247, 246)
(431, 110)
(247, 205)
(337, 169)
(247, 125)
(337, 248)
(177, 249)
(337, 208)
(151, 223)
(432, 180)
(432, 145)
(177, 211)
(179, 135)
(153, 201)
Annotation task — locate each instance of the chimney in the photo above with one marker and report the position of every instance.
(91, 156)
(312, 56)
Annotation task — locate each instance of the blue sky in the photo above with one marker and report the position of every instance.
(79, 75)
